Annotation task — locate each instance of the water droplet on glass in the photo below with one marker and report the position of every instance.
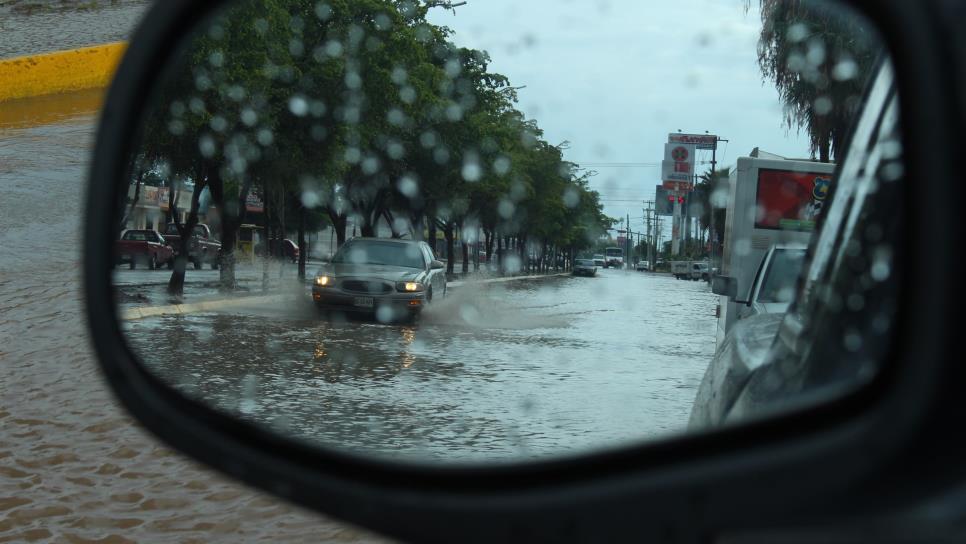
(852, 341)
(501, 165)
(323, 11)
(353, 80)
(395, 150)
(845, 70)
(506, 208)
(216, 59)
(176, 127)
(265, 137)
(571, 197)
(249, 117)
(370, 165)
(396, 117)
(822, 106)
(296, 48)
(454, 112)
(298, 106)
(797, 33)
(472, 170)
(334, 48)
(408, 186)
(260, 26)
(353, 155)
(218, 123)
(206, 144)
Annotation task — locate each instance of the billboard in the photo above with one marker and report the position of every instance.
(790, 200)
(678, 163)
(700, 141)
(663, 206)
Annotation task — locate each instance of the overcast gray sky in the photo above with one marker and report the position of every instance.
(614, 77)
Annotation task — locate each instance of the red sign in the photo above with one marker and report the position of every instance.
(790, 200)
(701, 141)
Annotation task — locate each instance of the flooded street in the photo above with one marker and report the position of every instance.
(501, 372)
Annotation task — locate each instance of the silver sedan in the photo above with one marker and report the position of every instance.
(388, 278)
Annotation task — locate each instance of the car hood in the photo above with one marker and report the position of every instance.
(373, 272)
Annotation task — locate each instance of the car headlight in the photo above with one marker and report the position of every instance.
(323, 281)
(410, 287)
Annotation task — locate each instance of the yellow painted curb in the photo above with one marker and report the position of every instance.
(59, 72)
(130, 314)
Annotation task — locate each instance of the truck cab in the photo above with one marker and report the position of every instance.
(773, 203)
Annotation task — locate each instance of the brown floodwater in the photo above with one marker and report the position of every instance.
(73, 466)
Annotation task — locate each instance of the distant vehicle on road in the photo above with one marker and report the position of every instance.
(691, 270)
(613, 257)
(585, 267)
(643, 265)
(202, 246)
(390, 278)
(145, 246)
(599, 261)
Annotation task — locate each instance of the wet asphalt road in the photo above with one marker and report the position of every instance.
(506, 372)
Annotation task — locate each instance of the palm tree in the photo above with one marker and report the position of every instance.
(819, 58)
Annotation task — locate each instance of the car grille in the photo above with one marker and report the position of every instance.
(366, 287)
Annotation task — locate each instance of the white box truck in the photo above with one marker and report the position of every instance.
(771, 201)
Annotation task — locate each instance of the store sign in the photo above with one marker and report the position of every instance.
(699, 141)
(678, 163)
(254, 203)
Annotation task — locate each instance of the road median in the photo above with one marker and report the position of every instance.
(59, 72)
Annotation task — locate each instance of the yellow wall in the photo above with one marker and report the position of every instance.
(59, 72)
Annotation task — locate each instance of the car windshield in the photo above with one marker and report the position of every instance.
(585, 262)
(781, 276)
(380, 253)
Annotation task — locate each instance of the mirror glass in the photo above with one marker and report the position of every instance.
(581, 171)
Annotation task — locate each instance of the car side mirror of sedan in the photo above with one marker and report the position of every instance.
(517, 410)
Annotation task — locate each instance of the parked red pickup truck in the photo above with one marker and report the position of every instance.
(144, 246)
(202, 247)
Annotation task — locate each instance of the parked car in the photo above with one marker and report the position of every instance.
(202, 246)
(585, 267)
(145, 246)
(389, 278)
(643, 265)
(289, 249)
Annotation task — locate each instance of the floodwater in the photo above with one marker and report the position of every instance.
(73, 466)
(39, 26)
(507, 372)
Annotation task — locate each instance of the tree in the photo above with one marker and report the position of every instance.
(819, 59)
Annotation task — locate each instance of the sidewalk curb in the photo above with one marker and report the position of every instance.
(60, 71)
(131, 314)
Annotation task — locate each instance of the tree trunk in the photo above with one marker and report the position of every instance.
(450, 261)
(431, 224)
(466, 257)
(176, 281)
(267, 250)
(229, 227)
(134, 202)
(303, 250)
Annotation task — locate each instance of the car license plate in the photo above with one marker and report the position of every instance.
(363, 302)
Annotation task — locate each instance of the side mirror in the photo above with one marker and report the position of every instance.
(436, 265)
(724, 285)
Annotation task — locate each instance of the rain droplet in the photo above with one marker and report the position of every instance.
(395, 150)
(265, 137)
(407, 94)
(298, 106)
(571, 197)
(216, 59)
(206, 144)
(370, 165)
(472, 171)
(353, 80)
(452, 68)
(353, 155)
(408, 186)
(797, 33)
(823, 105)
(396, 117)
(261, 26)
(506, 209)
(501, 165)
(852, 341)
(218, 123)
(249, 117)
(454, 112)
(845, 70)
(323, 11)
(399, 75)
